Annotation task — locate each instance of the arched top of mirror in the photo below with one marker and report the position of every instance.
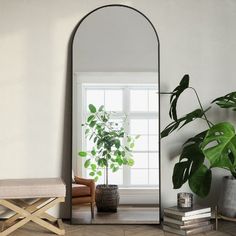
(115, 39)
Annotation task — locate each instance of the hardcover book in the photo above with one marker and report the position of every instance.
(187, 212)
(192, 217)
(187, 222)
(189, 231)
(188, 226)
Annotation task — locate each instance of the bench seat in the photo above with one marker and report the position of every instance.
(32, 188)
(45, 194)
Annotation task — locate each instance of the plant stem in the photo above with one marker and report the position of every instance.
(106, 175)
(208, 122)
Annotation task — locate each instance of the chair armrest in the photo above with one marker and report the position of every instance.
(88, 182)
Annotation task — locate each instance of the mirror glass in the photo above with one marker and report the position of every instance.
(115, 162)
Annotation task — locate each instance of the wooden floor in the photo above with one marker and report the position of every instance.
(225, 229)
(124, 215)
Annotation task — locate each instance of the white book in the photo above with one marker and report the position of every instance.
(187, 212)
(188, 226)
(180, 222)
(188, 232)
(192, 217)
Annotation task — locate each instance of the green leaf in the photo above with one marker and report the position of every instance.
(119, 161)
(180, 174)
(87, 163)
(87, 131)
(200, 181)
(82, 154)
(184, 83)
(112, 165)
(219, 142)
(90, 118)
(101, 108)
(91, 173)
(227, 101)
(182, 121)
(93, 167)
(93, 152)
(92, 108)
(99, 173)
(130, 162)
(190, 160)
(92, 124)
(114, 169)
(96, 178)
(137, 136)
(132, 145)
(117, 143)
(99, 143)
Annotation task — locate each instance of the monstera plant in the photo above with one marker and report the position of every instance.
(214, 147)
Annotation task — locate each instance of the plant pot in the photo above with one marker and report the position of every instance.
(107, 198)
(227, 200)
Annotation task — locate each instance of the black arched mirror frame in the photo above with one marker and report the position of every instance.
(158, 79)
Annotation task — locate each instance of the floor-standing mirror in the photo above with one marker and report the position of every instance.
(115, 162)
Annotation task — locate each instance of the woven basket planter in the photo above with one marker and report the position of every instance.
(107, 198)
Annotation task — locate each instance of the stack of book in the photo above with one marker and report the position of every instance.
(187, 221)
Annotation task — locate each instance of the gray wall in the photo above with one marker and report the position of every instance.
(197, 37)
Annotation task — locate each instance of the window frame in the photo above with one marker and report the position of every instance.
(131, 115)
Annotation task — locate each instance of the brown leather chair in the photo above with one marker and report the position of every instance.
(83, 192)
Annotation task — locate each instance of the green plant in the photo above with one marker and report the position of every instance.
(107, 136)
(213, 147)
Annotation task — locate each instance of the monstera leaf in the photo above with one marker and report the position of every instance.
(219, 146)
(184, 83)
(198, 113)
(190, 160)
(200, 181)
(227, 101)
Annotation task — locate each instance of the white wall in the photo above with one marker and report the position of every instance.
(197, 37)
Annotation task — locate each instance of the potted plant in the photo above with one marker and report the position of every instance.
(214, 147)
(112, 148)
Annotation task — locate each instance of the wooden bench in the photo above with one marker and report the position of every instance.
(29, 199)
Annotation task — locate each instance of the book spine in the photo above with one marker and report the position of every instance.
(199, 230)
(186, 227)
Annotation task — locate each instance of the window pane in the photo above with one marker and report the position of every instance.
(153, 100)
(138, 126)
(153, 143)
(117, 123)
(114, 100)
(115, 178)
(153, 160)
(139, 177)
(153, 124)
(154, 177)
(95, 97)
(138, 100)
(89, 144)
(140, 160)
(141, 144)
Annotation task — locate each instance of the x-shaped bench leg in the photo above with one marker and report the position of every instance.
(32, 213)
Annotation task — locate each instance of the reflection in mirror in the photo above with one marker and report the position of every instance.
(115, 162)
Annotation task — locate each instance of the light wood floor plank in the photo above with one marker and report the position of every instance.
(225, 229)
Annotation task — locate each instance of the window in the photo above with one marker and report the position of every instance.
(140, 104)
